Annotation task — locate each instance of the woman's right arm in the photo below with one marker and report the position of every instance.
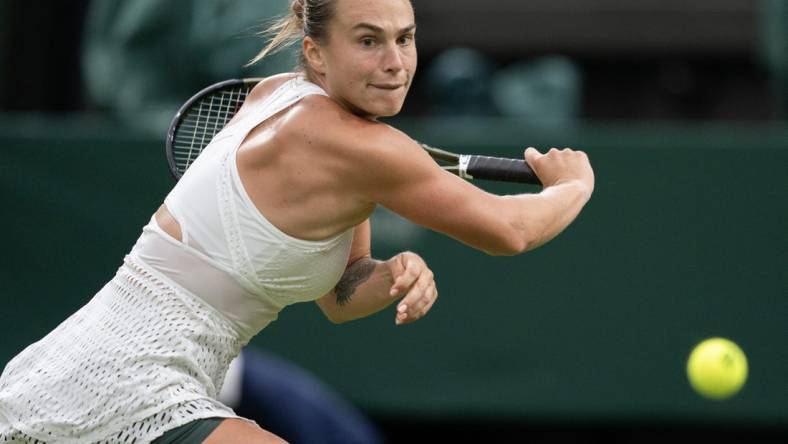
(392, 170)
(569, 183)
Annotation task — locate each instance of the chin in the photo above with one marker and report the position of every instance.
(377, 106)
(387, 109)
(389, 113)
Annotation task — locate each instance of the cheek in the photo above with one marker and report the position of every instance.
(413, 62)
(354, 73)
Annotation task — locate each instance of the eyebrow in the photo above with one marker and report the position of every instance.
(380, 30)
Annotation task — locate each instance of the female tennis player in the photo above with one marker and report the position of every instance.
(273, 212)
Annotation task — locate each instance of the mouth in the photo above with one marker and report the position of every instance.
(387, 86)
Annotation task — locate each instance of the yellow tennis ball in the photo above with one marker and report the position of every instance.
(717, 368)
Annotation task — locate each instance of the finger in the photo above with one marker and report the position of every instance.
(429, 305)
(417, 300)
(401, 318)
(532, 154)
(407, 311)
(402, 314)
(410, 309)
(425, 302)
(405, 280)
(428, 302)
(417, 291)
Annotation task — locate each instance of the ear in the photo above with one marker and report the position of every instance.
(313, 54)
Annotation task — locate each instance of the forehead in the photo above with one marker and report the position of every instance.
(387, 14)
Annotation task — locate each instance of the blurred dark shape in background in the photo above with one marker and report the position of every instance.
(462, 81)
(144, 58)
(545, 91)
(457, 82)
(651, 59)
(40, 55)
(774, 51)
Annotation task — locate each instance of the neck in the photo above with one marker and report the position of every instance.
(320, 80)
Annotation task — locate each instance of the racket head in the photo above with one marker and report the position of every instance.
(201, 118)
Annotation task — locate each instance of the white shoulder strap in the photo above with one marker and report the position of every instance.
(286, 95)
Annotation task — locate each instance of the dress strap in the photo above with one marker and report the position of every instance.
(287, 94)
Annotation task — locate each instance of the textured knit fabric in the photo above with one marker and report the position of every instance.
(141, 357)
(150, 351)
(244, 307)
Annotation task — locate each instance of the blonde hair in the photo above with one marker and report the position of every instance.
(306, 18)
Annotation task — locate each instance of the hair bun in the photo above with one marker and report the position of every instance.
(298, 8)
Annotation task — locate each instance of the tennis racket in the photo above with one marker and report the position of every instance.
(207, 112)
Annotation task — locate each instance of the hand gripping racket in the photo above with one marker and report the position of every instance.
(207, 112)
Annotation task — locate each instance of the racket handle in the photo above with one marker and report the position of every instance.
(497, 168)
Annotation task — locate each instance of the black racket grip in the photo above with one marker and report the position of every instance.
(501, 169)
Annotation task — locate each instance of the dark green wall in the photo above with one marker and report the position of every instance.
(685, 238)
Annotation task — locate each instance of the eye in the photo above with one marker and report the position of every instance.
(367, 42)
(405, 39)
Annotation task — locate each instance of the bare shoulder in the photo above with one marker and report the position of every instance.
(374, 163)
(323, 121)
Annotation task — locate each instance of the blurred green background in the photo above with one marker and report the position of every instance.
(682, 110)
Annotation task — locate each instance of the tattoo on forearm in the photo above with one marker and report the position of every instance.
(356, 274)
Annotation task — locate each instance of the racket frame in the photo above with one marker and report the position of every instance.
(177, 120)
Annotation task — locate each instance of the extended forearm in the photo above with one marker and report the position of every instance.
(362, 290)
(541, 217)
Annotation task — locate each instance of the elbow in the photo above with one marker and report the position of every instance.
(331, 313)
(514, 242)
(506, 248)
(509, 249)
(516, 232)
(335, 318)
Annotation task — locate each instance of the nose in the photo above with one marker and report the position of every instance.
(392, 59)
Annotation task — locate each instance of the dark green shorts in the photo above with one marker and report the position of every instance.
(193, 432)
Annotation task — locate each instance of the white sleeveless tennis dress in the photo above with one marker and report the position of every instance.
(150, 351)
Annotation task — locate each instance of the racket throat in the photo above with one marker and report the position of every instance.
(462, 166)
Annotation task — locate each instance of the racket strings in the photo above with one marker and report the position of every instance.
(202, 121)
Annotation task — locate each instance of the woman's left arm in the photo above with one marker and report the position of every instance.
(369, 285)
